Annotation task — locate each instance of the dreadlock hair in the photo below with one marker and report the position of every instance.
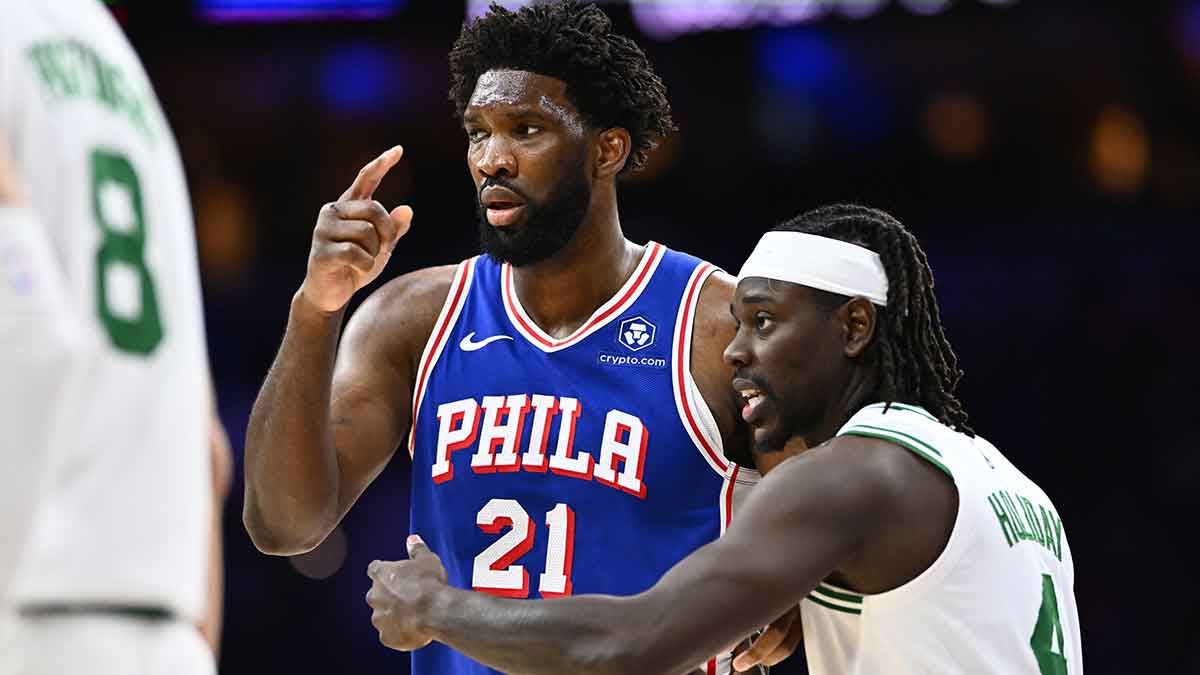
(609, 79)
(910, 349)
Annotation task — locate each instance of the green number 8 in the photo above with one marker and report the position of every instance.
(116, 185)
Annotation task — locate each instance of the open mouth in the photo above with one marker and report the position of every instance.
(504, 207)
(503, 216)
(753, 398)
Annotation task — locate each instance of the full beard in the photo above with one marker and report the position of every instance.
(548, 227)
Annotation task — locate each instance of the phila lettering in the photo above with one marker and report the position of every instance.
(493, 428)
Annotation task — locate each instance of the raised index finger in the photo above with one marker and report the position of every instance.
(369, 177)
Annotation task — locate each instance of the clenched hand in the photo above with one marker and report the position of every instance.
(400, 595)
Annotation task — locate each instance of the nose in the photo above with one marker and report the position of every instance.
(496, 158)
(736, 352)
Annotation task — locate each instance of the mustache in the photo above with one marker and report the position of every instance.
(499, 181)
(741, 377)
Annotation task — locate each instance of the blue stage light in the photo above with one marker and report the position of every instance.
(361, 78)
(801, 58)
(221, 11)
(805, 64)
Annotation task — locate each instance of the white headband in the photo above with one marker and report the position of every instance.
(818, 262)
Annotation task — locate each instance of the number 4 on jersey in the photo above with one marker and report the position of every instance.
(494, 570)
(1048, 627)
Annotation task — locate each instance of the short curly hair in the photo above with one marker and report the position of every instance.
(608, 77)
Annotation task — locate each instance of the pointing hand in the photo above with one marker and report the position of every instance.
(354, 238)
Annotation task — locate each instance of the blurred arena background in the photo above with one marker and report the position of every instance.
(1047, 154)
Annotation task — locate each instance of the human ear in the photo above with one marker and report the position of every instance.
(612, 151)
(859, 318)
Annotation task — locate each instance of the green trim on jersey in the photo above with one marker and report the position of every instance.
(838, 595)
(832, 606)
(910, 437)
(916, 445)
(839, 601)
(905, 407)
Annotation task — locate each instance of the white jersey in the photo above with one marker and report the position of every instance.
(105, 262)
(999, 600)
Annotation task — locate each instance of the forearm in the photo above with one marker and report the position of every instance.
(586, 635)
(291, 464)
(708, 602)
(210, 622)
(221, 460)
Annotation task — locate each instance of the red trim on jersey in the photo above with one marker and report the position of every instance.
(680, 381)
(641, 277)
(460, 283)
(712, 667)
(729, 496)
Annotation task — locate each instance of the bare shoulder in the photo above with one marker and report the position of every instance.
(398, 318)
(870, 470)
(713, 321)
(847, 480)
(897, 508)
(412, 296)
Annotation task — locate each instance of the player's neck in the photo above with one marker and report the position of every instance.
(561, 292)
(860, 386)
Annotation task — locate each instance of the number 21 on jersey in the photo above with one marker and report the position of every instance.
(494, 570)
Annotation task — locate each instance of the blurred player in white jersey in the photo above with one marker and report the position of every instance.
(115, 465)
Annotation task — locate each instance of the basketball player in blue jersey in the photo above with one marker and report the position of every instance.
(562, 397)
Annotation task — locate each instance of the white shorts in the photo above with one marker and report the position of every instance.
(102, 644)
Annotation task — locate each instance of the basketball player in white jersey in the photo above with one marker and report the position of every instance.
(115, 465)
(912, 545)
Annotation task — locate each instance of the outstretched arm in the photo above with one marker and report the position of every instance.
(327, 421)
(811, 514)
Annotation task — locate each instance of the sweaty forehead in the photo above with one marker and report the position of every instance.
(517, 87)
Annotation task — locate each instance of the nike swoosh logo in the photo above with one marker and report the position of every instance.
(469, 345)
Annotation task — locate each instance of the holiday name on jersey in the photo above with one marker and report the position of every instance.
(1021, 519)
(495, 425)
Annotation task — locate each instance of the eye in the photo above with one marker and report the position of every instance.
(763, 321)
(527, 130)
(476, 135)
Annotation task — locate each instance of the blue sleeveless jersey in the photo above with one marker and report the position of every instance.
(545, 467)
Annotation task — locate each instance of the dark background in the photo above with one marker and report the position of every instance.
(1047, 154)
